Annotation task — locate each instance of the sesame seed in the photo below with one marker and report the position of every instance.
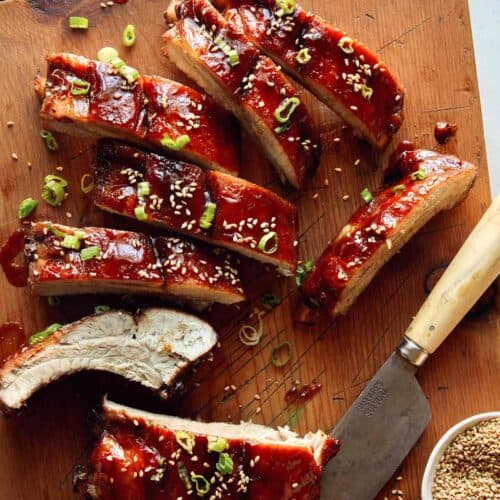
(14, 156)
(315, 196)
(10, 124)
(345, 197)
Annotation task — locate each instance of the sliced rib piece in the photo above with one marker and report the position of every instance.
(129, 262)
(141, 112)
(152, 349)
(139, 456)
(250, 85)
(179, 194)
(380, 228)
(343, 73)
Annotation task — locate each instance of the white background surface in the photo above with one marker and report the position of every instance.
(485, 19)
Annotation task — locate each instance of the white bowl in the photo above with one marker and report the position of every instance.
(442, 444)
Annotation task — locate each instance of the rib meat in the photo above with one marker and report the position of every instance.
(381, 227)
(253, 88)
(129, 262)
(138, 456)
(343, 73)
(152, 349)
(179, 194)
(141, 112)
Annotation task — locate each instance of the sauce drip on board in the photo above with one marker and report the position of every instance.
(443, 131)
(11, 339)
(300, 393)
(16, 274)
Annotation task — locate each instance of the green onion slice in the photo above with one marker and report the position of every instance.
(102, 308)
(80, 87)
(130, 74)
(184, 475)
(217, 444)
(276, 355)
(107, 54)
(50, 140)
(26, 207)
(270, 301)
(366, 196)
(283, 128)
(271, 238)
(140, 213)
(87, 183)
(345, 44)
(285, 110)
(302, 271)
(398, 188)
(303, 56)
(201, 484)
(175, 144)
(90, 253)
(249, 335)
(208, 215)
(61, 180)
(419, 175)
(72, 242)
(39, 336)
(185, 440)
(143, 189)
(53, 193)
(128, 37)
(79, 23)
(233, 56)
(225, 464)
(286, 7)
(57, 232)
(366, 91)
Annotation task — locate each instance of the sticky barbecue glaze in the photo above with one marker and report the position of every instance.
(16, 274)
(255, 84)
(130, 261)
(12, 338)
(136, 459)
(178, 195)
(143, 111)
(372, 225)
(353, 82)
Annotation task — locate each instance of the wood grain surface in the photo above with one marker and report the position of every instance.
(429, 45)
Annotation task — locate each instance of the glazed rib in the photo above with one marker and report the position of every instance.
(253, 88)
(340, 71)
(141, 112)
(380, 228)
(129, 262)
(179, 193)
(152, 349)
(266, 463)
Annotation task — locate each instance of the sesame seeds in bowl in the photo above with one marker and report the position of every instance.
(465, 463)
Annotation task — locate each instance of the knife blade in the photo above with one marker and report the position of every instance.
(391, 413)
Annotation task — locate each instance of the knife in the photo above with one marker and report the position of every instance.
(391, 413)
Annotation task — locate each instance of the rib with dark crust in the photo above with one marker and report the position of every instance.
(128, 262)
(420, 184)
(142, 112)
(152, 348)
(342, 72)
(142, 456)
(238, 214)
(220, 58)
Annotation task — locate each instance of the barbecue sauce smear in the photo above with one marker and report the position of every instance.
(16, 274)
(11, 339)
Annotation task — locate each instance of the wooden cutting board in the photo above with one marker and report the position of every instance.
(429, 45)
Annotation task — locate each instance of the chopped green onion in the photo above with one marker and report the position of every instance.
(184, 475)
(79, 23)
(201, 484)
(278, 360)
(128, 37)
(303, 56)
(26, 207)
(225, 464)
(140, 213)
(285, 110)
(90, 253)
(39, 336)
(107, 54)
(345, 44)
(175, 144)
(263, 243)
(71, 241)
(80, 87)
(302, 271)
(102, 308)
(185, 440)
(56, 231)
(366, 196)
(270, 301)
(366, 91)
(233, 56)
(53, 190)
(130, 74)
(398, 188)
(208, 215)
(143, 189)
(249, 335)
(286, 7)
(419, 175)
(282, 128)
(60, 180)
(87, 183)
(50, 140)
(217, 444)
